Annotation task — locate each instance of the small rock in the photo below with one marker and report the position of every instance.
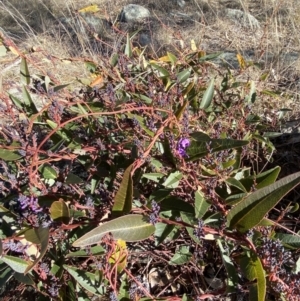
(133, 13)
(145, 39)
(243, 18)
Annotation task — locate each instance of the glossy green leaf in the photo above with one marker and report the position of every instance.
(173, 180)
(201, 205)
(24, 72)
(41, 234)
(182, 256)
(17, 264)
(250, 211)
(59, 211)
(123, 199)
(48, 172)
(132, 227)
(86, 279)
(9, 155)
(208, 95)
(253, 270)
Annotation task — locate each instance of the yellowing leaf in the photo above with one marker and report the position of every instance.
(193, 45)
(13, 50)
(89, 9)
(241, 61)
(98, 81)
(119, 257)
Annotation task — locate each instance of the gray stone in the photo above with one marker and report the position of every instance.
(145, 39)
(181, 3)
(134, 13)
(243, 18)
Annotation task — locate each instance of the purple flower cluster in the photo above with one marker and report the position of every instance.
(155, 212)
(29, 203)
(182, 145)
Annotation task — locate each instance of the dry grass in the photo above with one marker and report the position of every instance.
(38, 23)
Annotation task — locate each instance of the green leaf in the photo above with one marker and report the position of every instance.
(26, 279)
(3, 50)
(132, 227)
(235, 183)
(123, 199)
(27, 100)
(153, 176)
(59, 212)
(62, 132)
(201, 205)
(297, 267)
(253, 270)
(159, 195)
(250, 211)
(182, 256)
(176, 204)
(96, 250)
(17, 264)
(173, 59)
(173, 180)
(128, 48)
(162, 71)
(289, 239)
(42, 234)
(9, 155)
(199, 149)
(48, 172)
(232, 280)
(267, 178)
(24, 72)
(73, 179)
(162, 231)
(252, 94)
(208, 95)
(114, 59)
(17, 102)
(86, 279)
(5, 275)
(183, 75)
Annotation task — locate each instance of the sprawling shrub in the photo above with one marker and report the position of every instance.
(150, 182)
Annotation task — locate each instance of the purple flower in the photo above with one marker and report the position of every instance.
(183, 143)
(30, 203)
